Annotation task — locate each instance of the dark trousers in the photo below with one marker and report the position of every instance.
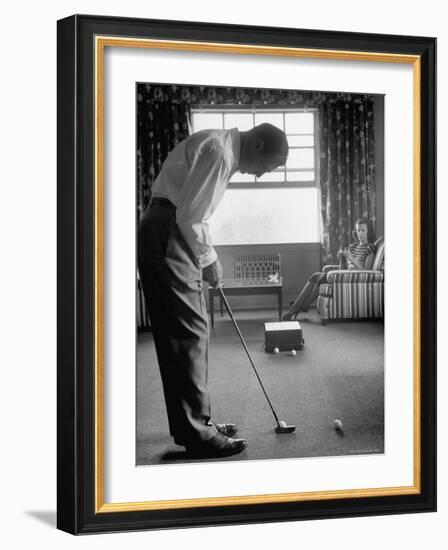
(172, 283)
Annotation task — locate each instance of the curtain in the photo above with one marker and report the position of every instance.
(347, 170)
(161, 124)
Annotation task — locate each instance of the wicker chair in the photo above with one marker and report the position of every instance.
(353, 294)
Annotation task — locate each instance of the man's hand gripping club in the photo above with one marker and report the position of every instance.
(212, 274)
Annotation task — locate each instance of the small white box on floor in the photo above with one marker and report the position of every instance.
(285, 336)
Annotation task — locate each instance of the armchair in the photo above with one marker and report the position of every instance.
(353, 294)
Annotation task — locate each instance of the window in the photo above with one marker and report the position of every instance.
(298, 124)
(285, 208)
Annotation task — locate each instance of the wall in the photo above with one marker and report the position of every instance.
(28, 276)
(298, 261)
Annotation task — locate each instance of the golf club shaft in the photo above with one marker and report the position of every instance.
(226, 303)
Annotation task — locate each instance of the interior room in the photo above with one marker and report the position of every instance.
(322, 367)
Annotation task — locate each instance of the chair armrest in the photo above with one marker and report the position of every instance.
(355, 276)
(329, 267)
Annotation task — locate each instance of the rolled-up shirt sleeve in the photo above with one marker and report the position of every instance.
(202, 190)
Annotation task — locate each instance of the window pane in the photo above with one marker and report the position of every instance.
(205, 121)
(242, 121)
(272, 176)
(237, 176)
(300, 176)
(299, 123)
(275, 119)
(271, 216)
(300, 158)
(301, 141)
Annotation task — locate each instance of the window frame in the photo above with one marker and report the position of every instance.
(274, 108)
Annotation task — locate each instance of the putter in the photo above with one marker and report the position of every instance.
(282, 427)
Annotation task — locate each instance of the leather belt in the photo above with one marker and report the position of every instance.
(161, 201)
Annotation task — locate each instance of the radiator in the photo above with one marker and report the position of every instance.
(257, 268)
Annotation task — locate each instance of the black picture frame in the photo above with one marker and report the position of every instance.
(79, 494)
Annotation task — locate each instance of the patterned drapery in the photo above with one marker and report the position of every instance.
(347, 156)
(347, 170)
(161, 124)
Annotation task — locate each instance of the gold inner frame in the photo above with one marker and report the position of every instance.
(101, 42)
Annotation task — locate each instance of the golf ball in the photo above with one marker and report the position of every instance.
(293, 352)
(282, 423)
(276, 350)
(337, 425)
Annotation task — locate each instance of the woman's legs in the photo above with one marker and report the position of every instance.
(307, 296)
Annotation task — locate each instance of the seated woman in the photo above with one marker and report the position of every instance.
(359, 255)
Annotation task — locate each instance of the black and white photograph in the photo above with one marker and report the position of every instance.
(260, 273)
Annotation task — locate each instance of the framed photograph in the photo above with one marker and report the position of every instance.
(246, 274)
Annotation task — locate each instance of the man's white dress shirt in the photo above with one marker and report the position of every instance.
(194, 178)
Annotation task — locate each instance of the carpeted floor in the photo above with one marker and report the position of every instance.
(338, 375)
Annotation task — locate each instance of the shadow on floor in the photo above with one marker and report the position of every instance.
(44, 516)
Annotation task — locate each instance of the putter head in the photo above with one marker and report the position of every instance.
(284, 428)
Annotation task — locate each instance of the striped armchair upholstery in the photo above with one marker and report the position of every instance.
(353, 294)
